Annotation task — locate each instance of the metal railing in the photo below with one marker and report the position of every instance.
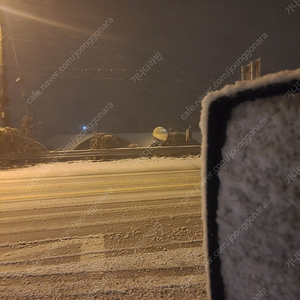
(115, 153)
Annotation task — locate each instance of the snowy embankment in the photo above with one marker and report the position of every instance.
(106, 167)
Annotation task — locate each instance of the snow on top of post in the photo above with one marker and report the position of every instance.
(239, 86)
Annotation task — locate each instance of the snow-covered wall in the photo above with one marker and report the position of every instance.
(250, 151)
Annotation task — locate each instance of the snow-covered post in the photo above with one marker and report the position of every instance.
(250, 147)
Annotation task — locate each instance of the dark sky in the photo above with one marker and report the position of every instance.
(197, 40)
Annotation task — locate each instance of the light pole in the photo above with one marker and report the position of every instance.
(4, 100)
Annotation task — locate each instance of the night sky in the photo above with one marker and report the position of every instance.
(197, 40)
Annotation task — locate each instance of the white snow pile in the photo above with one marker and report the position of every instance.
(258, 206)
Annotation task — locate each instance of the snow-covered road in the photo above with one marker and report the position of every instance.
(129, 229)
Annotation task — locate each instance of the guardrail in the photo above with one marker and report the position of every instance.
(115, 153)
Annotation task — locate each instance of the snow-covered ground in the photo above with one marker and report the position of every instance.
(102, 167)
(126, 229)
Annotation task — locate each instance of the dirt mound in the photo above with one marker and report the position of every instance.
(13, 141)
(177, 139)
(107, 141)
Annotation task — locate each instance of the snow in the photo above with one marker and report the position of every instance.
(256, 257)
(168, 259)
(139, 245)
(142, 164)
(256, 176)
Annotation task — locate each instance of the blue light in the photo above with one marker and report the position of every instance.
(84, 128)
